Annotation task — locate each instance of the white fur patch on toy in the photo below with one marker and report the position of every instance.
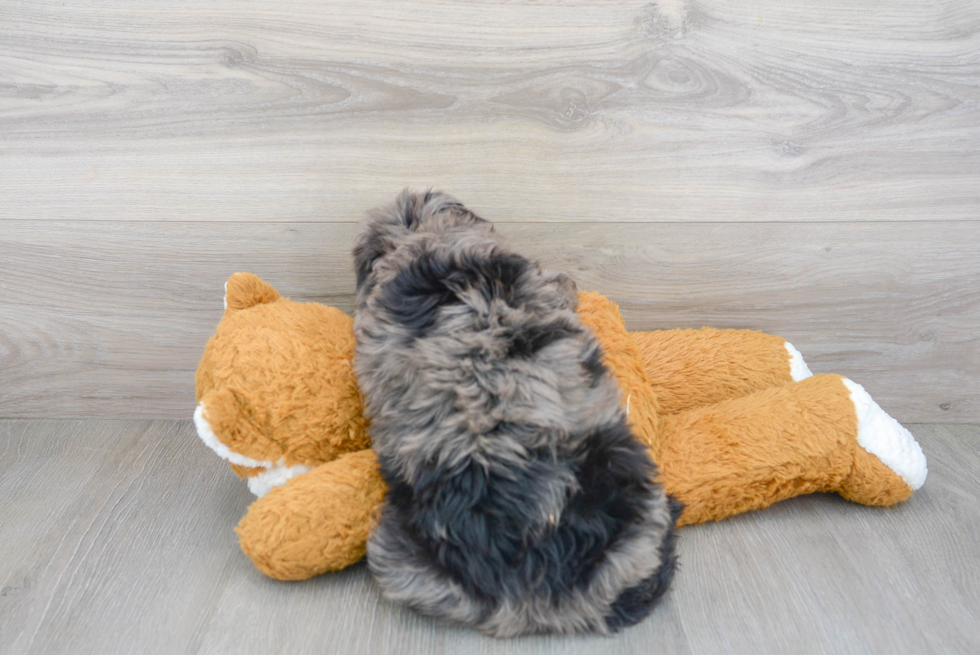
(797, 367)
(210, 440)
(887, 439)
(225, 298)
(275, 473)
(276, 476)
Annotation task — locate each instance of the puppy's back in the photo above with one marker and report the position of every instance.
(519, 500)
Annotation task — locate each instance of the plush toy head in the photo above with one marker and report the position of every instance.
(276, 391)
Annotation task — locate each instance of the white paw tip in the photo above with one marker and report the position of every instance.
(887, 439)
(225, 298)
(797, 367)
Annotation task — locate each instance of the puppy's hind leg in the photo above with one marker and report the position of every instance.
(635, 603)
(407, 576)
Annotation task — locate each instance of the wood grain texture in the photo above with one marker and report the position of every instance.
(102, 518)
(117, 538)
(109, 319)
(570, 110)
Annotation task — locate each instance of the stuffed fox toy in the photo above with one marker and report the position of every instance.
(733, 418)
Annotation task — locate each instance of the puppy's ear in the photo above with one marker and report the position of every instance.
(565, 288)
(380, 230)
(367, 251)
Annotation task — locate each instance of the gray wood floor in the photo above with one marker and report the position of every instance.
(116, 537)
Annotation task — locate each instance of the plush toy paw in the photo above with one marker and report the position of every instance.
(879, 435)
(319, 522)
(888, 462)
(746, 453)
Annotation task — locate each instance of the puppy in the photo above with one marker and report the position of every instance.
(519, 501)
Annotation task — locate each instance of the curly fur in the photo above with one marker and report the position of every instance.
(519, 500)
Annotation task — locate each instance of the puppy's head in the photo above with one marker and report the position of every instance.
(385, 227)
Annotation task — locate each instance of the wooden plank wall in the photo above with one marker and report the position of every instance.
(810, 169)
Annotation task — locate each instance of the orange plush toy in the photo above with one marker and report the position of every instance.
(733, 418)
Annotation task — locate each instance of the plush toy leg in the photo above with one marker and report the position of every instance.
(690, 368)
(822, 434)
(319, 522)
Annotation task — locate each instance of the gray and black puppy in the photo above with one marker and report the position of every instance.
(519, 500)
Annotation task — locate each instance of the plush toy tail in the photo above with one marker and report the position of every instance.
(244, 290)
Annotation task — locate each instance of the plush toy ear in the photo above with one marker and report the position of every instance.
(244, 290)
